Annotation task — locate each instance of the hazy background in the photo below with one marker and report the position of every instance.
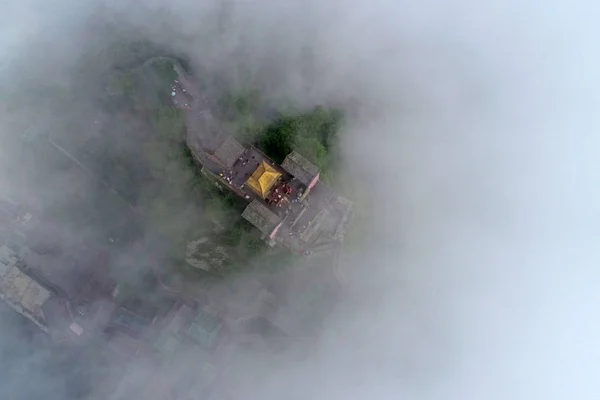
(474, 135)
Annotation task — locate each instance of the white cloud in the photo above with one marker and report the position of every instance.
(476, 142)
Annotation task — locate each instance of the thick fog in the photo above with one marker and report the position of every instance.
(471, 146)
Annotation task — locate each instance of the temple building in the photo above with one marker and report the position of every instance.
(225, 150)
(301, 169)
(261, 217)
(288, 203)
(263, 179)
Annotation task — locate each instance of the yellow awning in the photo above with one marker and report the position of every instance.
(263, 179)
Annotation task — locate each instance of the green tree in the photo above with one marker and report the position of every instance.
(278, 138)
(122, 83)
(313, 134)
(314, 150)
(170, 126)
(164, 70)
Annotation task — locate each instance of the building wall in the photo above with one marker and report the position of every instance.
(314, 181)
(272, 235)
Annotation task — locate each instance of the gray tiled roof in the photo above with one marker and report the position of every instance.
(260, 216)
(298, 166)
(229, 151)
(205, 329)
(21, 292)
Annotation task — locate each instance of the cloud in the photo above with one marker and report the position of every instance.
(472, 147)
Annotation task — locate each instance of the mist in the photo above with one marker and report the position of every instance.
(469, 146)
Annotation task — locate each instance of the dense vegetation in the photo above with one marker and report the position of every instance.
(313, 133)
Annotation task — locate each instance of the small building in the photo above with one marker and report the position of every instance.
(182, 324)
(263, 178)
(174, 324)
(261, 217)
(129, 321)
(80, 275)
(167, 343)
(300, 168)
(227, 151)
(178, 317)
(18, 290)
(205, 329)
(58, 318)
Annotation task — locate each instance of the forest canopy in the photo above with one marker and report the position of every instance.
(313, 132)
